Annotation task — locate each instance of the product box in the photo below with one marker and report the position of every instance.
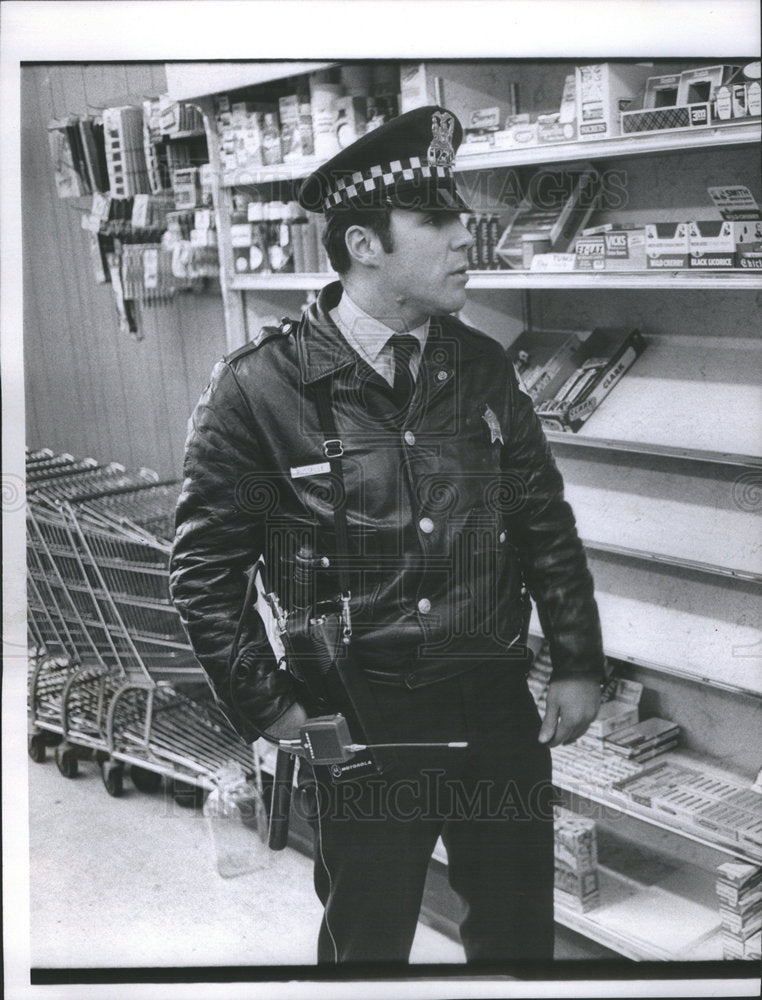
(575, 842)
(562, 125)
(611, 248)
(580, 373)
(621, 710)
(703, 83)
(242, 234)
(480, 122)
(637, 740)
(603, 92)
(352, 120)
(725, 243)
(684, 116)
(577, 892)
(186, 187)
(295, 115)
(414, 88)
(667, 245)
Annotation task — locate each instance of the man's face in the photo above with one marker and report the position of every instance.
(425, 274)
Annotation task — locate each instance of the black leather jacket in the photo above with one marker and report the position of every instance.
(451, 512)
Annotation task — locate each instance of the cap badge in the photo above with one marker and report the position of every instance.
(440, 152)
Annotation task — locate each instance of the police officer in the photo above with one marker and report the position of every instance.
(455, 514)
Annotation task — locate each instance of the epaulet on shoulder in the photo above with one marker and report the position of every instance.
(286, 328)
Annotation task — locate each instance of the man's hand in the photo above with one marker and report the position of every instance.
(572, 705)
(288, 725)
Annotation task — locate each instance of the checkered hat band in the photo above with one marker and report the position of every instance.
(386, 175)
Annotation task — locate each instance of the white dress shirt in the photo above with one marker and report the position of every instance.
(370, 338)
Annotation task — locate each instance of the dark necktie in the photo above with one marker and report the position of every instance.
(404, 347)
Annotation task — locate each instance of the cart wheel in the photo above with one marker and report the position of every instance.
(113, 778)
(145, 780)
(67, 762)
(36, 747)
(187, 795)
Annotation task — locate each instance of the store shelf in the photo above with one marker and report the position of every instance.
(279, 282)
(667, 141)
(494, 280)
(648, 448)
(667, 560)
(670, 925)
(646, 922)
(693, 397)
(701, 632)
(599, 793)
(732, 134)
(246, 176)
(638, 280)
(694, 524)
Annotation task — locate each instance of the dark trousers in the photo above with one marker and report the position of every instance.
(491, 804)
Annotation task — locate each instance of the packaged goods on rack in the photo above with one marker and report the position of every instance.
(568, 374)
(557, 204)
(716, 806)
(695, 98)
(739, 894)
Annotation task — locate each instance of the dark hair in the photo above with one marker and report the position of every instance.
(375, 217)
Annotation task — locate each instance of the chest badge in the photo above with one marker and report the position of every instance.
(490, 418)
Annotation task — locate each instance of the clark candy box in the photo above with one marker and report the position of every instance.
(567, 374)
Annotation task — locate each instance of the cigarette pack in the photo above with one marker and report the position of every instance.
(636, 739)
(612, 716)
(667, 245)
(603, 92)
(654, 781)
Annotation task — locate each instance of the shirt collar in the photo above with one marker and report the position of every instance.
(366, 334)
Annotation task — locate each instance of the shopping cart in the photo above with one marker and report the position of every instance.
(100, 613)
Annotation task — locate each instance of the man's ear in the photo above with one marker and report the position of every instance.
(363, 245)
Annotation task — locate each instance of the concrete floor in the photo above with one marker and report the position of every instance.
(131, 881)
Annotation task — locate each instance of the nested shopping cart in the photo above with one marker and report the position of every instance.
(115, 670)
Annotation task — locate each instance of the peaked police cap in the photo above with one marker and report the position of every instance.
(407, 162)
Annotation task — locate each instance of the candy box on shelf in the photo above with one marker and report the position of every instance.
(569, 374)
(603, 92)
(667, 245)
(611, 247)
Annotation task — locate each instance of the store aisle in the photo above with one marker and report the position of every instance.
(131, 882)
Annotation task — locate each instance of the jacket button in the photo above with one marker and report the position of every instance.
(441, 376)
(426, 525)
(501, 537)
(424, 605)
(409, 438)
